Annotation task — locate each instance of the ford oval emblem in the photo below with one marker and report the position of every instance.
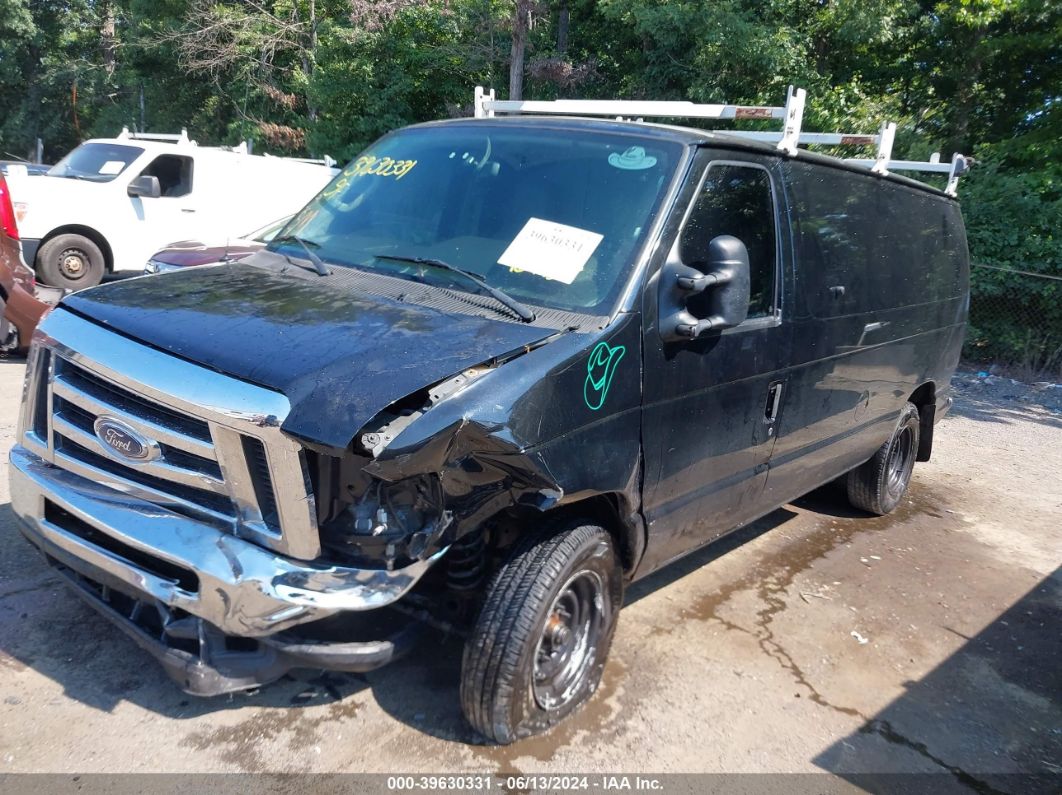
(120, 439)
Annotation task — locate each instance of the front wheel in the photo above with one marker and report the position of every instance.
(70, 261)
(539, 646)
(878, 485)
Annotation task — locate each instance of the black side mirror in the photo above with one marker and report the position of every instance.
(726, 278)
(145, 186)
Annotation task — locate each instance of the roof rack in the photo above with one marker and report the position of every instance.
(176, 138)
(788, 139)
(327, 160)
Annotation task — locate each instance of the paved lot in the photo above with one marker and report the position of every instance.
(815, 640)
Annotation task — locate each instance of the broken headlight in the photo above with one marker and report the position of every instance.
(375, 524)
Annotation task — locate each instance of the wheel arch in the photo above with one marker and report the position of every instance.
(84, 231)
(610, 510)
(925, 398)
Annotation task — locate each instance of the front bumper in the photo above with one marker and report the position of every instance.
(202, 660)
(240, 588)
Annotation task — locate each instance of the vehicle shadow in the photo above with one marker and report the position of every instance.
(705, 555)
(43, 627)
(985, 720)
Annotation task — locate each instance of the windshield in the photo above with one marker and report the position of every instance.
(97, 162)
(552, 217)
(266, 233)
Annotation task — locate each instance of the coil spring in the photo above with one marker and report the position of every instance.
(467, 561)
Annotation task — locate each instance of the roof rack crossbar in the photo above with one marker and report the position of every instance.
(958, 166)
(627, 108)
(178, 138)
(903, 165)
(788, 139)
(485, 106)
(826, 139)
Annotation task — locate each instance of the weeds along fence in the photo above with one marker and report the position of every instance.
(1016, 321)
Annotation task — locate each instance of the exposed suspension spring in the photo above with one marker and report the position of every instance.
(467, 561)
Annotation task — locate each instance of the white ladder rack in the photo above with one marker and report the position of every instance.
(788, 139)
(176, 138)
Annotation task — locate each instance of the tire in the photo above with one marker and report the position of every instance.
(550, 609)
(70, 261)
(878, 485)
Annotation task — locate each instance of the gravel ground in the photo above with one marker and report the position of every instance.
(817, 639)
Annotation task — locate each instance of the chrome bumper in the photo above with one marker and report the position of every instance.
(243, 589)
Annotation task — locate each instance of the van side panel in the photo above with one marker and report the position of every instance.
(880, 309)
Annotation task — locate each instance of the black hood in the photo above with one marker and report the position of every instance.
(339, 356)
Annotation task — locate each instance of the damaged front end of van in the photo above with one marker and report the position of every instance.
(306, 499)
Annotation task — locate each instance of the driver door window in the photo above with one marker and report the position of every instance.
(174, 174)
(737, 200)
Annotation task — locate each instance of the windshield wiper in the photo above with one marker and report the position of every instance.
(522, 311)
(317, 262)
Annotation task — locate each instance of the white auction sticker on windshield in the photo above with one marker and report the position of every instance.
(551, 250)
(112, 167)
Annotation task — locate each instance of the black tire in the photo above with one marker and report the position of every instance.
(527, 630)
(878, 485)
(70, 261)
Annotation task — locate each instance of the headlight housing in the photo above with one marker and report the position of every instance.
(373, 523)
(154, 266)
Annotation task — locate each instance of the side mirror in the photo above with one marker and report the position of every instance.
(145, 186)
(725, 282)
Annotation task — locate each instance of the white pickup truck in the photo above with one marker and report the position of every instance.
(112, 202)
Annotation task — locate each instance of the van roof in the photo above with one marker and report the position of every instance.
(192, 148)
(689, 136)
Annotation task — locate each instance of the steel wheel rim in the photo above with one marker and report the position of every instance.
(568, 643)
(901, 460)
(73, 263)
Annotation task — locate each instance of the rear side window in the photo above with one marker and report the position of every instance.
(737, 200)
(868, 245)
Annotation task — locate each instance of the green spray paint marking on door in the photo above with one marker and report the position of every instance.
(599, 371)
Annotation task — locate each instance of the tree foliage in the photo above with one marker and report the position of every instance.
(328, 76)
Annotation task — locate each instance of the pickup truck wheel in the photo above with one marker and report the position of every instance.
(70, 261)
(540, 643)
(878, 485)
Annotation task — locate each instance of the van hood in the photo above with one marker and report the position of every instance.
(45, 196)
(338, 355)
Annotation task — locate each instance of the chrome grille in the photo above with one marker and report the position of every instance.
(221, 456)
(187, 476)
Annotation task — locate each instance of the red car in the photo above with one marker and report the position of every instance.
(22, 301)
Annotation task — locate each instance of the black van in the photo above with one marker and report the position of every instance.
(496, 371)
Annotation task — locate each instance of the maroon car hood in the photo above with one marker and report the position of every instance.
(193, 252)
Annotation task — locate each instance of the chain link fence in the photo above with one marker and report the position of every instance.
(1016, 322)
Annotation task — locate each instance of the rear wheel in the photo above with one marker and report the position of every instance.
(540, 644)
(70, 261)
(878, 485)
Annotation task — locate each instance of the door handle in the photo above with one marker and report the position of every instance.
(774, 400)
(187, 209)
